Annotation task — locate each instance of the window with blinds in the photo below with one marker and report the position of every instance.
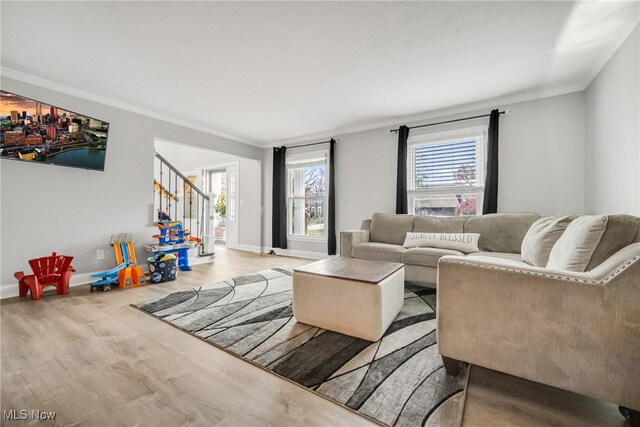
(307, 194)
(446, 173)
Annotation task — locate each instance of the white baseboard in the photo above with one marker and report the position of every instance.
(281, 252)
(249, 248)
(10, 290)
(201, 259)
(300, 254)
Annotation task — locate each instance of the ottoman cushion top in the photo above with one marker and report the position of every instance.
(352, 269)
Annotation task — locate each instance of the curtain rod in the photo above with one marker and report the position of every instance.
(449, 121)
(311, 143)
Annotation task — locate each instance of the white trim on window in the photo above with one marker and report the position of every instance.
(432, 183)
(295, 163)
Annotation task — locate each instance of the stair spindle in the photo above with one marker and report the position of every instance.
(198, 219)
(160, 192)
(175, 216)
(170, 197)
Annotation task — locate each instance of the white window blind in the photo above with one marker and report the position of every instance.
(446, 173)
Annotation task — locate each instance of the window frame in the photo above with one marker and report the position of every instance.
(456, 135)
(301, 159)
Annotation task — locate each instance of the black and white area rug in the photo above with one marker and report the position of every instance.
(397, 381)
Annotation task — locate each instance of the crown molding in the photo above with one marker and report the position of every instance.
(90, 96)
(432, 114)
(614, 44)
(607, 53)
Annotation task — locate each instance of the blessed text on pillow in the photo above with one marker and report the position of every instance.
(463, 242)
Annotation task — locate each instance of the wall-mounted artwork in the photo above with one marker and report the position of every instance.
(40, 133)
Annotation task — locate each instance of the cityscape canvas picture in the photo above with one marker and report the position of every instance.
(37, 132)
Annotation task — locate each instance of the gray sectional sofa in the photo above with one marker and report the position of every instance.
(381, 238)
(576, 329)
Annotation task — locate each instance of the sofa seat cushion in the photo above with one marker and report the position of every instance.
(501, 255)
(426, 256)
(377, 251)
(390, 228)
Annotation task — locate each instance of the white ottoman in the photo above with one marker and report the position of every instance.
(352, 296)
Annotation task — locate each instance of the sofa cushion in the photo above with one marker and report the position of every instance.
(438, 224)
(390, 228)
(575, 248)
(463, 242)
(621, 231)
(375, 251)
(426, 256)
(500, 255)
(500, 232)
(539, 240)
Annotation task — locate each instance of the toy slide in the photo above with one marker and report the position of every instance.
(127, 273)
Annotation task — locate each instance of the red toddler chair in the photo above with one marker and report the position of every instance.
(54, 270)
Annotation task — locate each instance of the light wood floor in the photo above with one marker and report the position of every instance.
(497, 399)
(95, 360)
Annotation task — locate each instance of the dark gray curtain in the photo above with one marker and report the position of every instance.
(331, 222)
(279, 199)
(490, 204)
(401, 185)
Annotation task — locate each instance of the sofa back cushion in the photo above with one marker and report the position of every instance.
(539, 240)
(575, 248)
(500, 232)
(390, 228)
(438, 224)
(621, 231)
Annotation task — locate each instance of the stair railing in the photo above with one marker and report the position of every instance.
(166, 189)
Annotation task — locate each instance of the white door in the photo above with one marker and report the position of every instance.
(232, 206)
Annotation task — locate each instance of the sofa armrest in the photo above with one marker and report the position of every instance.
(351, 237)
(576, 331)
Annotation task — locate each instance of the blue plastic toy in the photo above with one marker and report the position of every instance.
(175, 239)
(127, 273)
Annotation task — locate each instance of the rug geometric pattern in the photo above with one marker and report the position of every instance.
(396, 381)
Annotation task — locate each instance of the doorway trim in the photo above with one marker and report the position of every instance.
(235, 238)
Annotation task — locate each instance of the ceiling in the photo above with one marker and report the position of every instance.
(285, 71)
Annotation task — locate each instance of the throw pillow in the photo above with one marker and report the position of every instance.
(539, 240)
(574, 249)
(463, 242)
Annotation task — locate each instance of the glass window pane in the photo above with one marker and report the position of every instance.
(306, 200)
(447, 204)
(314, 216)
(313, 180)
(306, 216)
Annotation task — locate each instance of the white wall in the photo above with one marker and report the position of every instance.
(187, 158)
(613, 133)
(47, 208)
(542, 164)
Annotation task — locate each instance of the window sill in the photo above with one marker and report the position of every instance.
(298, 238)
